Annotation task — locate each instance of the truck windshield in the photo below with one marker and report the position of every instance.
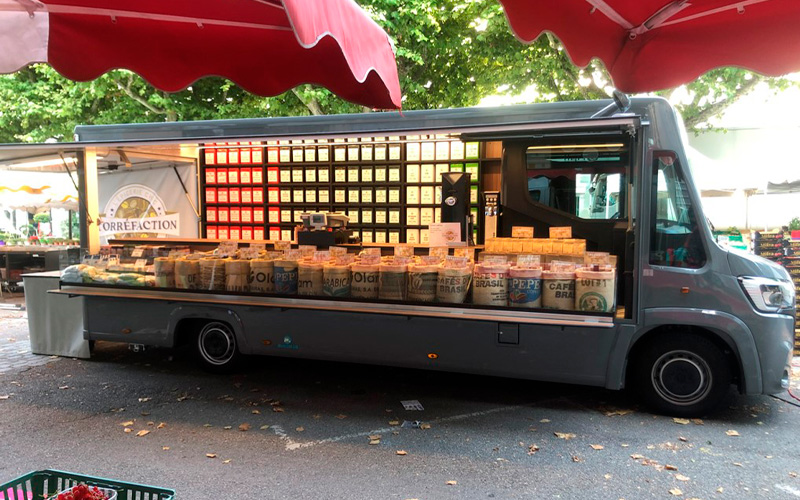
(585, 179)
(676, 237)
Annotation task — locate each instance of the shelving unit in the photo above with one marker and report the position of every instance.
(389, 187)
(779, 248)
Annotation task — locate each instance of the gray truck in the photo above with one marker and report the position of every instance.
(691, 318)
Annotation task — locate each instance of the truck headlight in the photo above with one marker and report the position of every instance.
(768, 295)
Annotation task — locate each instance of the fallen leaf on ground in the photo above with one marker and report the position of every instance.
(300, 429)
(144, 400)
(576, 458)
(564, 435)
(451, 483)
(676, 492)
(128, 429)
(615, 413)
(401, 452)
(277, 409)
(211, 455)
(227, 461)
(142, 433)
(151, 423)
(374, 441)
(624, 445)
(165, 448)
(127, 424)
(681, 421)
(720, 489)
(161, 425)
(424, 426)
(544, 420)
(737, 464)
(698, 421)
(532, 449)
(670, 467)
(4, 396)
(244, 427)
(681, 477)
(340, 416)
(256, 412)
(793, 474)
(394, 422)
(207, 425)
(144, 413)
(682, 438)
(607, 476)
(636, 456)
(732, 433)
(63, 387)
(374, 436)
(597, 446)
(264, 427)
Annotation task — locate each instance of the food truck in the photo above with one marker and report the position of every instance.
(559, 242)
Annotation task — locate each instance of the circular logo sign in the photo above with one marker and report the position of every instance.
(593, 301)
(134, 202)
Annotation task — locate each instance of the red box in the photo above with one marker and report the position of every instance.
(247, 215)
(235, 233)
(233, 156)
(222, 195)
(233, 176)
(222, 158)
(258, 156)
(273, 195)
(258, 233)
(258, 215)
(234, 195)
(275, 233)
(258, 195)
(211, 176)
(245, 176)
(236, 215)
(210, 156)
(223, 233)
(211, 232)
(245, 156)
(272, 175)
(272, 155)
(247, 233)
(274, 215)
(211, 214)
(247, 195)
(223, 214)
(222, 176)
(257, 175)
(211, 195)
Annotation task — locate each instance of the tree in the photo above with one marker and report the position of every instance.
(450, 53)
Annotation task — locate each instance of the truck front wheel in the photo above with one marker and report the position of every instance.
(682, 375)
(216, 347)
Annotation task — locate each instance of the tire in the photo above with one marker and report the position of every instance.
(215, 347)
(682, 375)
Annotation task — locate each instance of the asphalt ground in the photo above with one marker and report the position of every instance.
(287, 428)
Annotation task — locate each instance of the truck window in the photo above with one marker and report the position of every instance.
(584, 179)
(676, 237)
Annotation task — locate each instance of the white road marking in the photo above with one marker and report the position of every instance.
(292, 445)
(788, 489)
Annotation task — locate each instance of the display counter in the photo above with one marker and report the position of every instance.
(16, 260)
(506, 275)
(55, 322)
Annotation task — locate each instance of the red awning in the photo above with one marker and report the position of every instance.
(264, 46)
(649, 45)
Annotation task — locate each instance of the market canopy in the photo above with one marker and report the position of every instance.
(265, 46)
(649, 45)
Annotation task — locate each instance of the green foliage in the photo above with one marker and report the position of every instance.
(794, 224)
(450, 53)
(41, 218)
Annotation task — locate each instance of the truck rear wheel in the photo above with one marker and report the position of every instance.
(216, 347)
(681, 375)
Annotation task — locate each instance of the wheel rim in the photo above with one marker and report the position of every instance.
(216, 344)
(682, 378)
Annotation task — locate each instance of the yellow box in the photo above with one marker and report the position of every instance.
(547, 246)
